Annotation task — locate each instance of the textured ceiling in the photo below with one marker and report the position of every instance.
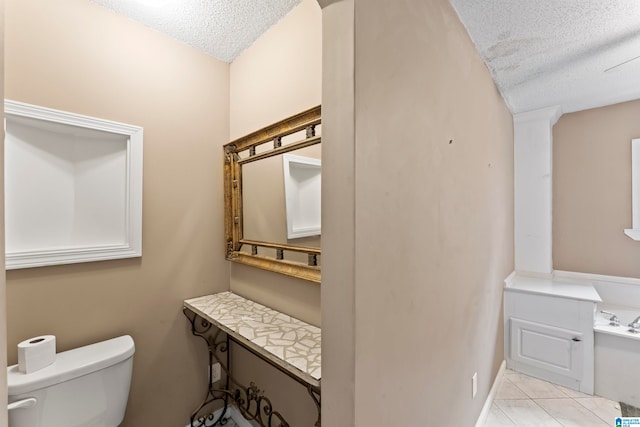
(558, 52)
(539, 52)
(221, 28)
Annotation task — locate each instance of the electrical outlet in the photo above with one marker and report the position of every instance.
(215, 372)
(474, 385)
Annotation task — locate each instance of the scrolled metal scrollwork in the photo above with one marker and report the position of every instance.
(315, 395)
(217, 345)
(250, 401)
(254, 406)
(210, 420)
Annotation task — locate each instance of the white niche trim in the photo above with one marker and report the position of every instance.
(302, 179)
(634, 232)
(73, 187)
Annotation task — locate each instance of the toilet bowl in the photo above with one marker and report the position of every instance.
(86, 386)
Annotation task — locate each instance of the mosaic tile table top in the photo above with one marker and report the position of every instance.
(290, 343)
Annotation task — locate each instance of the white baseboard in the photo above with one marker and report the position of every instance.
(234, 414)
(492, 394)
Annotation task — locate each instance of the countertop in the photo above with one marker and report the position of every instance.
(288, 342)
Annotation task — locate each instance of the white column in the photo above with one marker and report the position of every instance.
(533, 167)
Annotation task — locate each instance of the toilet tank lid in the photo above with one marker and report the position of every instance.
(71, 364)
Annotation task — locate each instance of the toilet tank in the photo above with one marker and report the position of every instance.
(86, 386)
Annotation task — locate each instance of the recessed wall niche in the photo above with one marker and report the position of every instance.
(73, 188)
(302, 188)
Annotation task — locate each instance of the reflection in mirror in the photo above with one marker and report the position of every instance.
(264, 202)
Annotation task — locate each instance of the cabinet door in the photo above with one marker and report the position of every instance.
(553, 349)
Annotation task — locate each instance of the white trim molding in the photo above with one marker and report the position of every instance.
(482, 419)
(590, 277)
(614, 290)
(634, 232)
(127, 241)
(533, 191)
(549, 115)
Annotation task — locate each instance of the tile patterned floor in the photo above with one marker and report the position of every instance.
(523, 401)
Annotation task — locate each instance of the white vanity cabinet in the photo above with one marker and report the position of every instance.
(549, 330)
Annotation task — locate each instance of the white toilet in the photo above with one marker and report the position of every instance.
(86, 386)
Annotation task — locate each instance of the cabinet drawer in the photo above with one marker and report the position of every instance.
(547, 347)
(560, 312)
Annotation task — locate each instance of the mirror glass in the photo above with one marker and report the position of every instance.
(264, 199)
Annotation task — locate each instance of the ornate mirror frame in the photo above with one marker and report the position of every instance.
(233, 213)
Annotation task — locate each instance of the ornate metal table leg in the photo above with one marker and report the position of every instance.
(215, 344)
(250, 401)
(315, 395)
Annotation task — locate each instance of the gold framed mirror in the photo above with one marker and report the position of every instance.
(272, 197)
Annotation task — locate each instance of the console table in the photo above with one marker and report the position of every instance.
(288, 344)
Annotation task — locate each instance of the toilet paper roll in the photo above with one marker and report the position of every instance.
(36, 353)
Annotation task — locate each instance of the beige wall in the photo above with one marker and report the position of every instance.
(407, 268)
(77, 56)
(278, 76)
(592, 191)
(338, 215)
(433, 233)
(3, 289)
